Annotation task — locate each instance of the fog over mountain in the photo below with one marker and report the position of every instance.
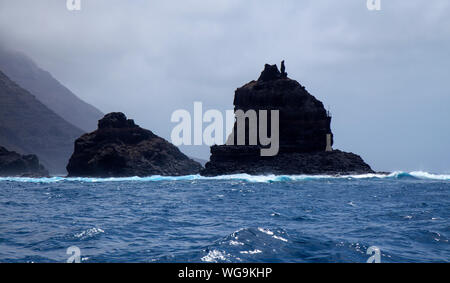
(29, 127)
(383, 74)
(21, 69)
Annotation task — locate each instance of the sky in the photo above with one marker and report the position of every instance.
(385, 75)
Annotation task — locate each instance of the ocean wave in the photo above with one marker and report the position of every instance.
(216, 256)
(89, 233)
(247, 244)
(279, 245)
(240, 177)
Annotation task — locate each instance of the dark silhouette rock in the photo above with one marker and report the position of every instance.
(269, 73)
(283, 70)
(304, 125)
(304, 122)
(120, 148)
(227, 160)
(116, 120)
(13, 164)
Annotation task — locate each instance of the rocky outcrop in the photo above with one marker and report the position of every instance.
(226, 160)
(120, 148)
(304, 126)
(13, 164)
(304, 122)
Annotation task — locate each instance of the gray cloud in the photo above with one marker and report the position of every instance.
(383, 74)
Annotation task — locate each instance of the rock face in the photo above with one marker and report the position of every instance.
(13, 164)
(304, 122)
(50, 92)
(304, 125)
(120, 148)
(29, 127)
(226, 160)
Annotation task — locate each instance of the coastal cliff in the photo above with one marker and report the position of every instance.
(49, 91)
(120, 148)
(29, 127)
(304, 128)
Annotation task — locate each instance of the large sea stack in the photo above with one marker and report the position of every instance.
(120, 148)
(14, 164)
(304, 127)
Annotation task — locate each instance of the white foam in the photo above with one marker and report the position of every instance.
(280, 238)
(426, 175)
(89, 233)
(251, 252)
(236, 177)
(215, 256)
(236, 243)
(268, 232)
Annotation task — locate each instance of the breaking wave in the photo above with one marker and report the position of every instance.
(277, 245)
(240, 177)
(249, 244)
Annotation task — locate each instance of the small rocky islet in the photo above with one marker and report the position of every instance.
(120, 148)
(304, 126)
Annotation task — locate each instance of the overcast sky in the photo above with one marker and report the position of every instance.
(385, 74)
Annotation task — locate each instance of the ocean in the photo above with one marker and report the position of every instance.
(238, 218)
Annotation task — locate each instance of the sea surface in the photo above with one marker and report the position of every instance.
(238, 218)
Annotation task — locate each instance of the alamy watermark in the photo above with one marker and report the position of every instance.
(250, 127)
(375, 254)
(75, 254)
(73, 5)
(253, 122)
(374, 5)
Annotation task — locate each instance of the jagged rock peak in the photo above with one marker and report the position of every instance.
(271, 73)
(116, 120)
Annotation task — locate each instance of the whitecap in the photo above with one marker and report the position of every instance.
(426, 175)
(215, 256)
(256, 251)
(89, 233)
(235, 177)
(280, 238)
(268, 232)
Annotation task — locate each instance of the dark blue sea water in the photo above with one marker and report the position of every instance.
(227, 219)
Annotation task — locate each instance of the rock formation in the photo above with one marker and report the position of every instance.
(304, 125)
(13, 164)
(120, 148)
(283, 70)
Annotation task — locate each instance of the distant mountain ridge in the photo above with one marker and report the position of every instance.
(26, 73)
(29, 127)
